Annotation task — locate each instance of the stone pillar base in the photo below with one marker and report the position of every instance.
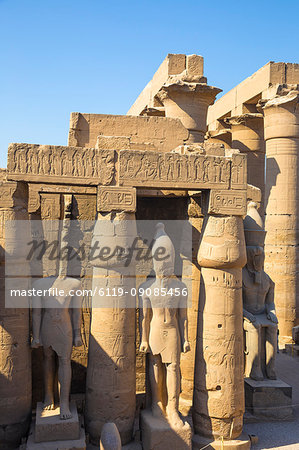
(158, 435)
(242, 443)
(268, 399)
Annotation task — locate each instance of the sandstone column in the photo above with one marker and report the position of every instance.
(111, 372)
(281, 117)
(15, 358)
(191, 277)
(219, 379)
(189, 102)
(248, 137)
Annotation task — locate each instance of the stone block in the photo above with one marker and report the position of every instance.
(70, 444)
(135, 132)
(200, 442)
(176, 63)
(49, 426)
(157, 434)
(269, 399)
(195, 65)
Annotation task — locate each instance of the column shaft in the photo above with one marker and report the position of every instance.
(282, 200)
(248, 137)
(219, 381)
(111, 372)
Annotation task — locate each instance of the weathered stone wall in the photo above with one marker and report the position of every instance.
(129, 132)
(15, 358)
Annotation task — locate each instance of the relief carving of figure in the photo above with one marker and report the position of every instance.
(260, 321)
(57, 163)
(107, 168)
(206, 170)
(164, 330)
(170, 167)
(44, 156)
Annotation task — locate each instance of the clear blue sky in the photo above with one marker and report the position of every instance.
(59, 56)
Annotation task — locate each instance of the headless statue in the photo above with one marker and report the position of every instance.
(164, 331)
(260, 321)
(56, 323)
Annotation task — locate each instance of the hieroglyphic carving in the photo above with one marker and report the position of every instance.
(138, 168)
(7, 191)
(116, 199)
(49, 163)
(228, 202)
(50, 206)
(36, 189)
(239, 171)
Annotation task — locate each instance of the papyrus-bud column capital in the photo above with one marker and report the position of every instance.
(218, 406)
(248, 136)
(189, 102)
(281, 121)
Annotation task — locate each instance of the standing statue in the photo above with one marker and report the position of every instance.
(56, 324)
(260, 321)
(164, 330)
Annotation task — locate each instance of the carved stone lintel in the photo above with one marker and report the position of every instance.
(175, 171)
(63, 165)
(228, 202)
(116, 199)
(36, 189)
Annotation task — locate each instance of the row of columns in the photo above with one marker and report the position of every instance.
(212, 373)
(270, 138)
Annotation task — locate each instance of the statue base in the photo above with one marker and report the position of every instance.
(49, 426)
(242, 443)
(158, 434)
(292, 349)
(70, 444)
(268, 399)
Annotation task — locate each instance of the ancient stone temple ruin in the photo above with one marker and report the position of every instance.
(137, 369)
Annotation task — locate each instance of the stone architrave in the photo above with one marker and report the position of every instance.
(281, 121)
(63, 165)
(112, 198)
(35, 191)
(218, 405)
(174, 170)
(228, 202)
